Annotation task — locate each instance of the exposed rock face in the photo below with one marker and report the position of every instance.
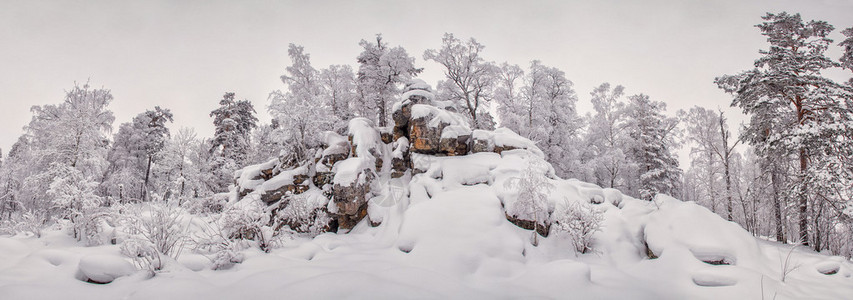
(430, 127)
(337, 148)
(541, 228)
(351, 199)
(298, 185)
(401, 159)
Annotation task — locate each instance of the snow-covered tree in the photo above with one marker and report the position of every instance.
(135, 150)
(20, 165)
(382, 70)
(234, 121)
(507, 94)
(579, 220)
(265, 145)
(73, 132)
(847, 57)
(339, 92)
(533, 189)
(72, 197)
(654, 140)
(470, 79)
(301, 112)
(70, 136)
(607, 139)
(794, 111)
(545, 113)
(712, 151)
(181, 167)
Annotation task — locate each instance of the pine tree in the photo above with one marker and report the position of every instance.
(234, 121)
(793, 109)
(847, 57)
(135, 151)
(654, 137)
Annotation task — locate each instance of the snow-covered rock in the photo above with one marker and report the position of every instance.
(103, 268)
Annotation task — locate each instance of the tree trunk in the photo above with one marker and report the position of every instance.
(711, 193)
(147, 176)
(726, 159)
(817, 229)
(803, 200)
(777, 202)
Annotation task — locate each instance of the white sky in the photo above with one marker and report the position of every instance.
(183, 55)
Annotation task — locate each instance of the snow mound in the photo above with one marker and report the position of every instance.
(102, 269)
(680, 226)
(250, 177)
(347, 171)
(438, 116)
(502, 139)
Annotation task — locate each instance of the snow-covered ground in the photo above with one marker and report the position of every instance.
(450, 238)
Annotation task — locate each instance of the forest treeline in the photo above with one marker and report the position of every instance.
(786, 174)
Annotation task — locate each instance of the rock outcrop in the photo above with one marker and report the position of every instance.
(345, 170)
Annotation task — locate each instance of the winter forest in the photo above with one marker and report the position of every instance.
(495, 176)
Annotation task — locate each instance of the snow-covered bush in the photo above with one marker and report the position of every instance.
(244, 219)
(29, 222)
(206, 205)
(248, 219)
(305, 213)
(154, 232)
(227, 255)
(144, 256)
(533, 189)
(579, 220)
(73, 197)
(221, 250)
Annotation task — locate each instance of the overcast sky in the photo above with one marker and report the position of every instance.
(183, 55)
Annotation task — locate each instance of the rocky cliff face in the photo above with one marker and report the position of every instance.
(349, 171)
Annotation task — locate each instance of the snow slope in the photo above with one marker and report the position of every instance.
(445, 235)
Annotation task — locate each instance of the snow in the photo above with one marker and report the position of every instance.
(364, 137)
(282, 179)
(249, 177)
(503, 137)
(335, 143)
(104, 268)
(447, 237)
(429, 96)
(437, 116)
(455, 131)
(417, 84)
(347, 171)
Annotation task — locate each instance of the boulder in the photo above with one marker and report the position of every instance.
(429, 125)
(351, 190)
(249, 178)
(386, 134)
(401, 118)
(293, 181)
(542, 228)
(321, 179)
(455, 140)
(400, 158)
